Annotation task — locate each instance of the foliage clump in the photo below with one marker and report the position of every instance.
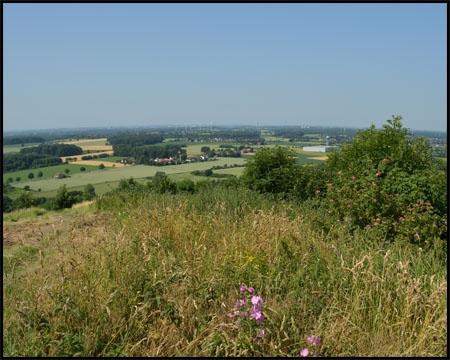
(386, 180)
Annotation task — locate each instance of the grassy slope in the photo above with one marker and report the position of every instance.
(157, 275)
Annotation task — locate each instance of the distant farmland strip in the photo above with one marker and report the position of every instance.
(118, 173)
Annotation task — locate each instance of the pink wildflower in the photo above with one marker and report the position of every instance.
(257, 315)
(261, 332)
(304, 352)
(315, 340)
(257, 300)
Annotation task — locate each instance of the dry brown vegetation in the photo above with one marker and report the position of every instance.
(157, 275)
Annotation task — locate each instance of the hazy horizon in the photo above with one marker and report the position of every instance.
(86, 65)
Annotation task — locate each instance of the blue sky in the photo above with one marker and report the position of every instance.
(350, 65)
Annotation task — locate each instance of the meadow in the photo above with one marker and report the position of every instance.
(145, 274)
(106, 178)
(224, 270)
(116, 174)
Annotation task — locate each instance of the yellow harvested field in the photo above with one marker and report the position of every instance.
(84, 141)
(97, 147)
(319, 158)
(97, 163)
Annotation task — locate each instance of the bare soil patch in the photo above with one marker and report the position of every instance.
(97, 163)
(319, 158)
(32, 232)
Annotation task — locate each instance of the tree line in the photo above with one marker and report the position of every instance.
(25, 139)
(38, 156)
(63, 199)
(135, 140)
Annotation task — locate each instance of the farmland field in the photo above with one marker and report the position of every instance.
(48, 172)
(116, 174)
(106, 179)
(16, 148)
(88, 142)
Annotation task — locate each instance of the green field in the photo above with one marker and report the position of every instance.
(48, 173)
(116, 174)
(77, 179)
(195, 149)
(112, 159)
(108, 178)
(16, 148)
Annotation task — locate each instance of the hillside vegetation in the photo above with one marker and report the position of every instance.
(270, 264)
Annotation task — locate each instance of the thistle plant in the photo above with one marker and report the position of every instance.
(247, 309)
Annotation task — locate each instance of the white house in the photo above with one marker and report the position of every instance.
(320, 148)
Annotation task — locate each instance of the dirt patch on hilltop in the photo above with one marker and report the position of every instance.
(30, 232)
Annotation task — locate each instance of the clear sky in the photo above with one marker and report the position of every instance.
(350, 65)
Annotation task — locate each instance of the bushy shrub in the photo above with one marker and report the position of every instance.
(386, 180)
(24, 200)
(186, 185)
(63, 199)
(271, 171)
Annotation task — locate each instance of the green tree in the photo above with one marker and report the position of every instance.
(63, 199)
(375, 150)
(186, 185)
(40, 174)
(7, 204)
(271, 170)
(24, 200)
(89, 192)
(67, 171)
(208, 172)
(130, 185)
(101, 166)
(30, 175)
(163, 184)
(82, 169)
(18, 178)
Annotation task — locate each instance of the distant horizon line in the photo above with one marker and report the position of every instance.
(196, 126)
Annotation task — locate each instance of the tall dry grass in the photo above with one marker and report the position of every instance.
(160, 273)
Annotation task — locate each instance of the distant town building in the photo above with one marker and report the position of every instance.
(324, 149)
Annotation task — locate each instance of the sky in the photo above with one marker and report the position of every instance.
(116, 64)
